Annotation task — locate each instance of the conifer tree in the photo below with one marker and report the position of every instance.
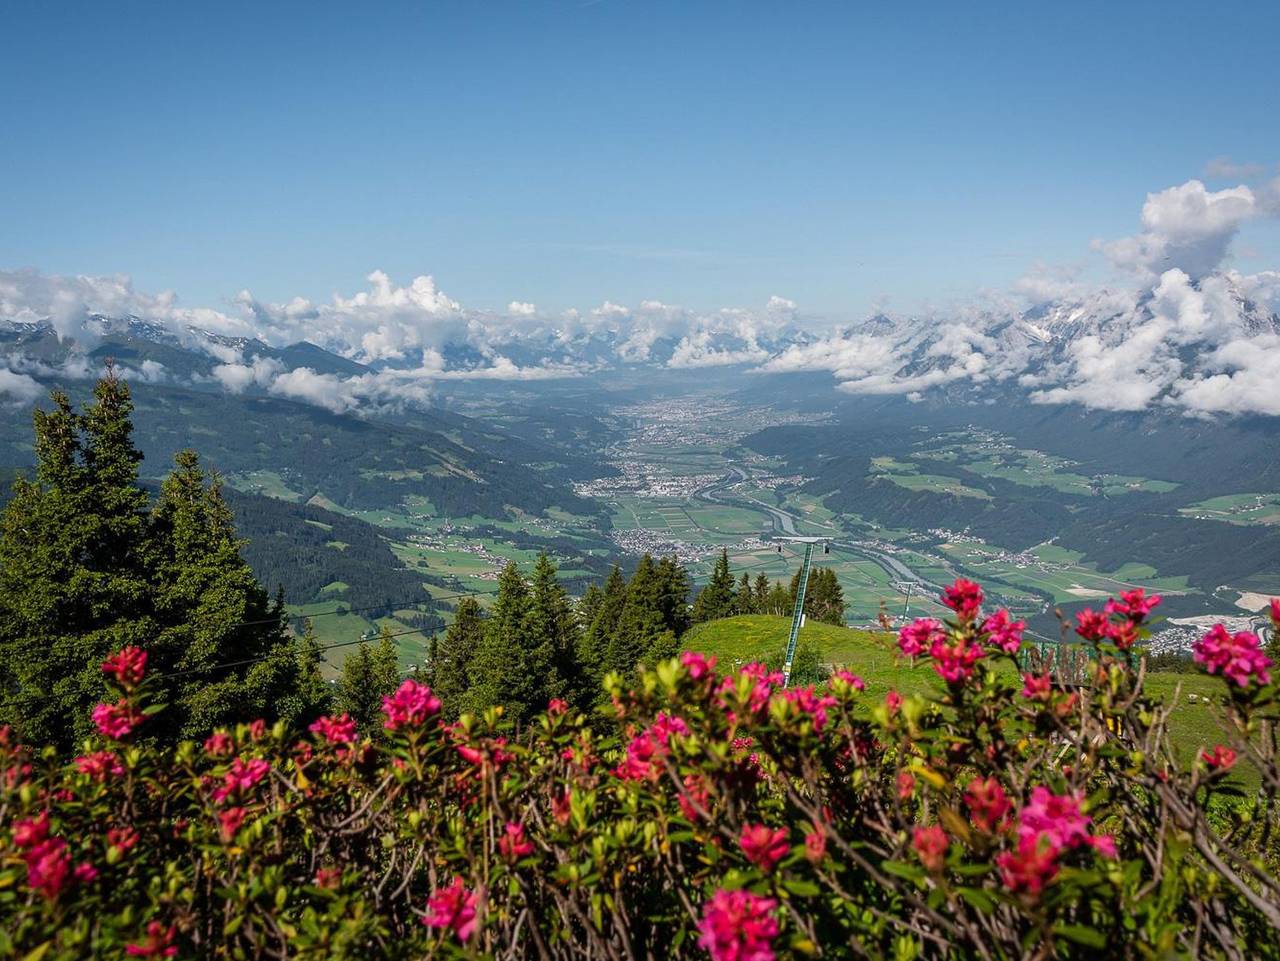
(356, 693)
(451, 662)
(502, 671)
(87, 568)
(551, 633)
(642, 635)
(760, 594)
(673, 595)
(594, 646)
(744, 600)
(716, 599)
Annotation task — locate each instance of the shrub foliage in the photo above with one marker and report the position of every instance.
(700, 813)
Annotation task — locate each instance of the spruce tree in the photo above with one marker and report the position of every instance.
(743, 598)
(213, 611)
(593, 647)
(642, 635)
(760, 594)
(451, 662)
(502, 672)
(551, 633)
(673, 595)
(357, 691)
(716, 599)
(74, 559)
(87, 568)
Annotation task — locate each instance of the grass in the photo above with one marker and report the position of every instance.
(871, 655)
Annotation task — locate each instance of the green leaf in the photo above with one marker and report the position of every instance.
(802, 889)
(1081, 935)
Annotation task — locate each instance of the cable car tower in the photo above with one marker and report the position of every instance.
(797, 615)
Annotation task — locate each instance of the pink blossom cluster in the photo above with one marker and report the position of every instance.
(128, 666)
(738, 926)
(648, 745)
(919, 636)
(697, 665)
(1048, 825)
(764, 680)
(808, 701)
(1003, 632)
(988, 805)
(159, 942)
(241, 778)
(116, 721)
(954, 662)
(453, 908)
(49, 868)
(99, 765)
(335, 730)
(1238, 657)
(964, 597)
(763, 846)
(410, 706)
(514, 843)
(931, 845)
(1132, 609)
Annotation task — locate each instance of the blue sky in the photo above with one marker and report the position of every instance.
(566, 153)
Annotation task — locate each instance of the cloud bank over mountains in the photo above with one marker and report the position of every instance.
(1175, 327)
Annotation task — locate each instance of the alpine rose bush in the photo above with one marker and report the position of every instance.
(1016, 813)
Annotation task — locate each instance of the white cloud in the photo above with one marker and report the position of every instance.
(1188, 227)
(518, 308)
(18, 390)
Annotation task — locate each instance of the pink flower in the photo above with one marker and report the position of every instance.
(1059, 816)
(738, 926)
(85, 873)
(514, 845)
(815, 845)
(893, 701)
(1032, 866)
(1123, 635)
(128, 666)
(31, 831)
(1092, 625)
(219, 744)
(454, 908)
(257, 730)
(158, 944)
(954, 662)
(988, 805)
(809, 702)
(1222, 758)
(557, 707)
(229, 822)
(1002, 632)
(122, 839)
(1133, 604)
(964, 597)
(1237, 656)
(48, 867)
(242, 777)
(696, 799)
(480, 756)
(763, 846)
(918, 636)
(99, 765)
(328, 878)
(1037, 687)
(562, 807)
(410, 706)
(1275, 610)
(906, 785)
(117, 720)
(931, 845)
(698, 665)
(335, 730)
(765, 681)
(852, 680)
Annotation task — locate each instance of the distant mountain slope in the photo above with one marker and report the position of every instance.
(1203, 459)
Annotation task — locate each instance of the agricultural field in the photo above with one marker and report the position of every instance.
(907, 475)
(1242, 509)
